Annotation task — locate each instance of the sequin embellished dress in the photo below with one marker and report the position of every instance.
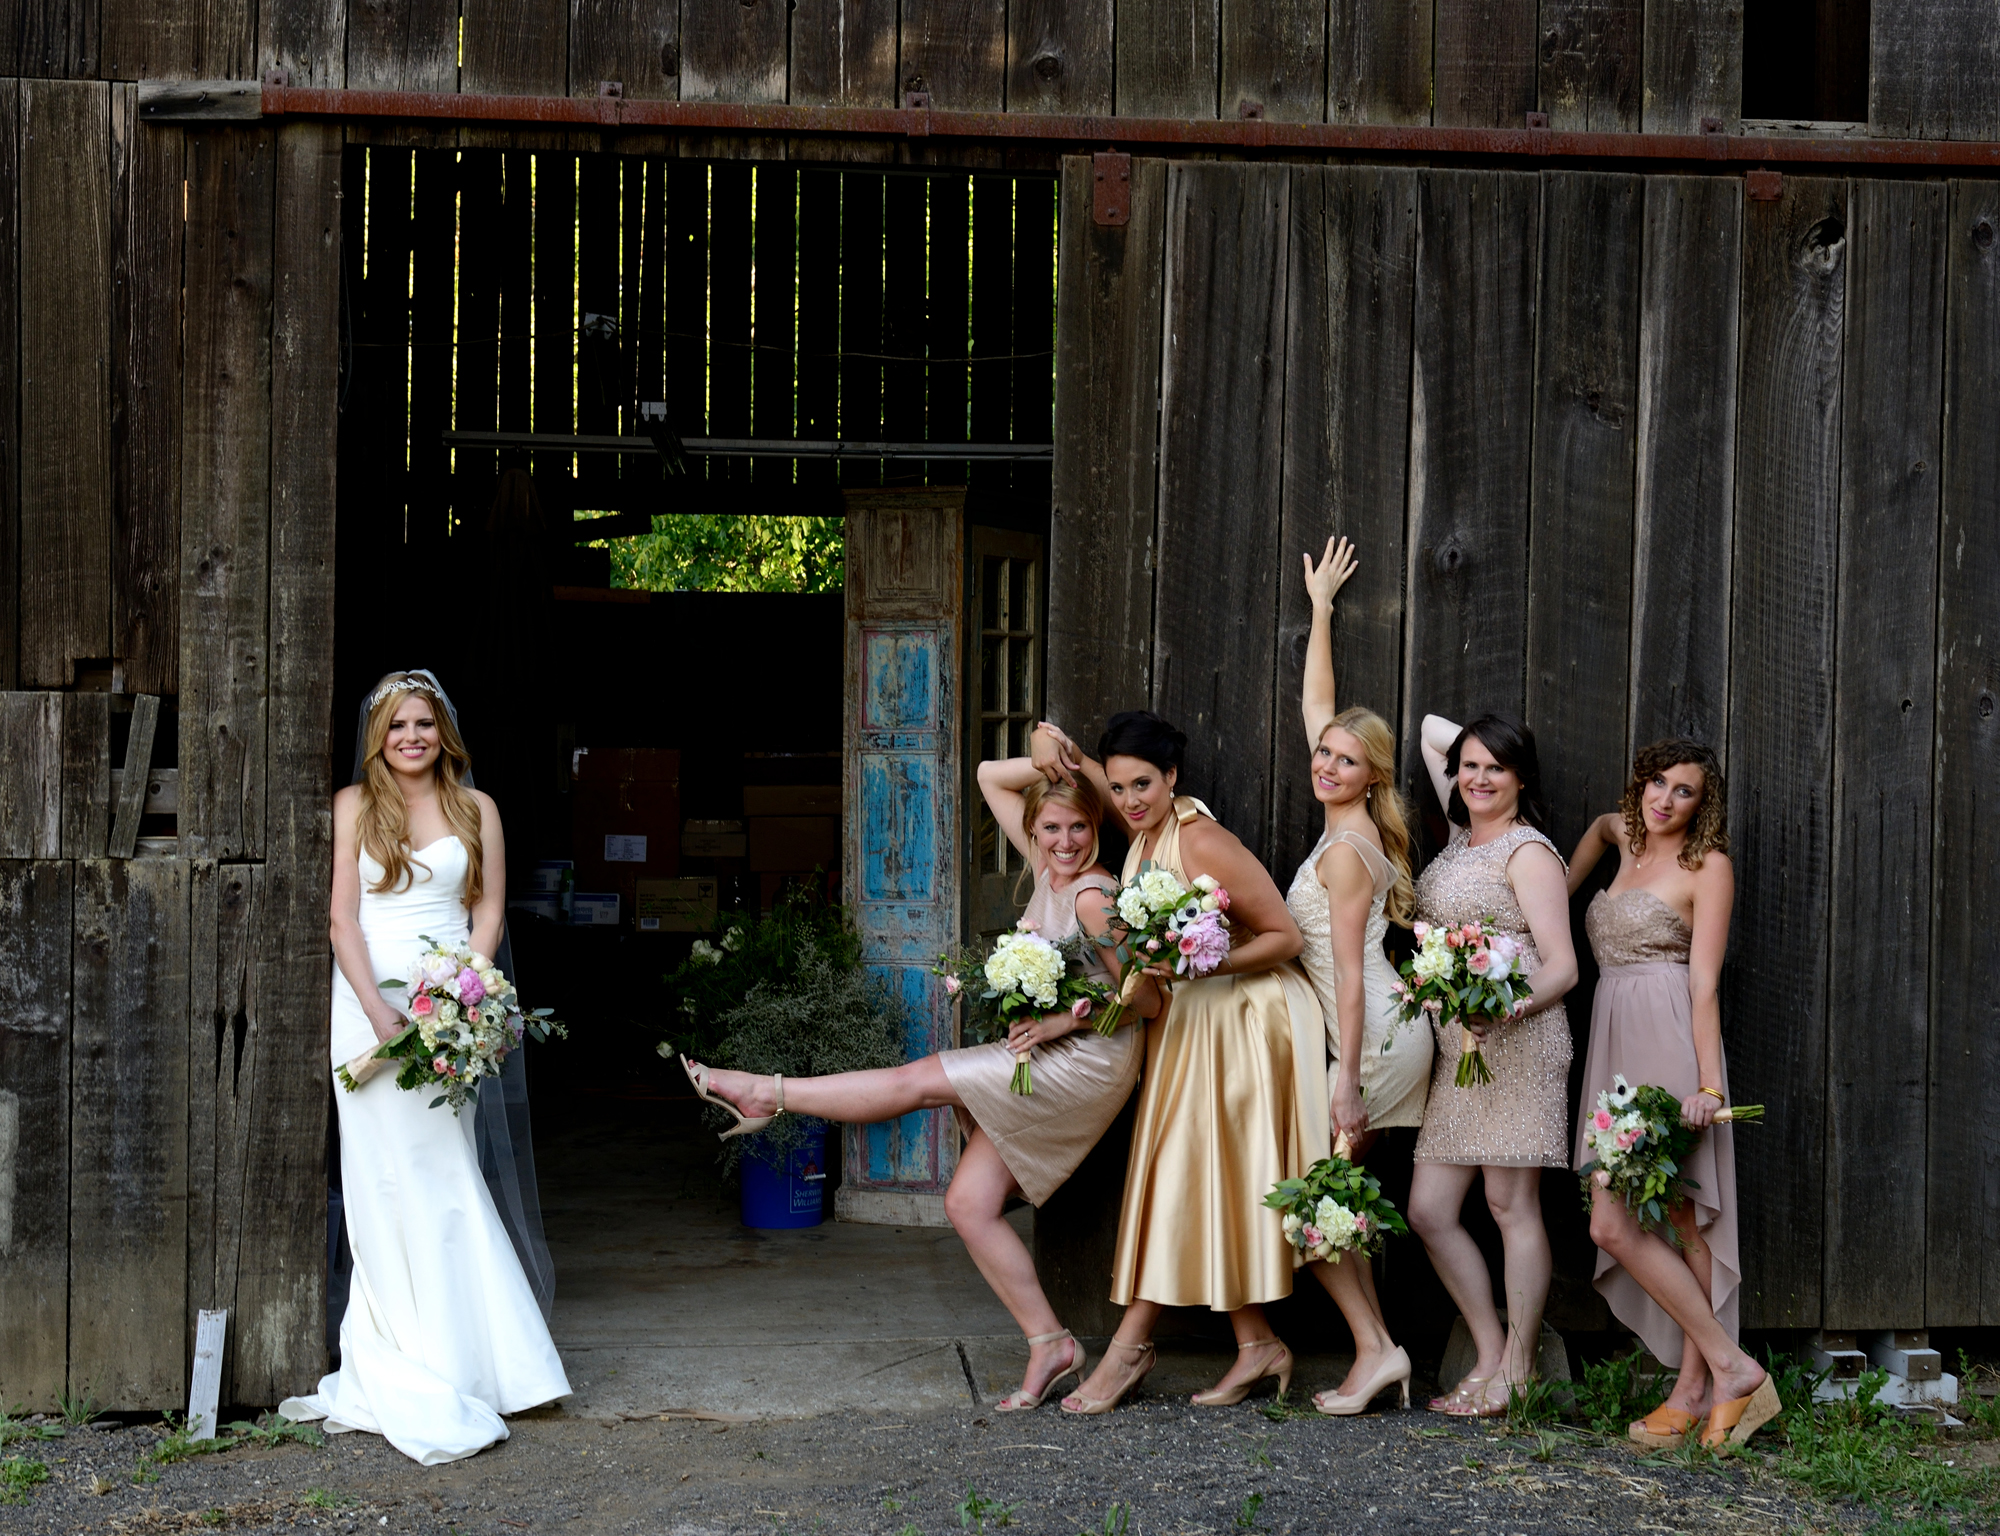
(1642, 1026)
(1395, 1060)
(1233, 1100)
(1081, 1080)
(1521, 1118)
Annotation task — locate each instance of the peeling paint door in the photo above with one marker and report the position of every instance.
(905, 561)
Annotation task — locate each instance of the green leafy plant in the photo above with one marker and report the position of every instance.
(1531, 1405)
(1247, 1511)
(974, 1511)
(1116, 1519)
(1612, 1394)
(724, 552)
(324, 1498)
(272, 1430)
(719, 974)
(17, 1476)
(77, 1409)
(13, 1427)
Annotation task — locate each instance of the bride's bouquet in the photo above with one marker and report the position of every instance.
(1163, 917)
(1023, 977)
(1336, 1208)
(1641, 1144)
(465, 1021)
(1462, 973)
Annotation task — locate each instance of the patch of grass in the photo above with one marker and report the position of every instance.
(13, 1427)
(17, 1476)
(1612, 1394)
(1260, 1453)
(324, 1498)
(1530, 1405)
(1246, 1513)
(974, 1511)
(78, 1410)
(1116, 1518)
(272, 1430)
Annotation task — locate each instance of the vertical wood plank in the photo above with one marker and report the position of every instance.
(131, 804)
(956, 50)
(1471, 400)
(1168, 52)
(305, 38)
(1885, 662)
(1581, 514)
(1346, 452)
(86, 774)
(949, 391)
(1931, 70)
(197, 40)
(729, 319)
(34, 1129)
(31, 778)
(773, 380)
(1962, 1183)
(1486, 63)
(1780, 731)
(225, 494)
(1687, 458)
(1101, 528)
(65, 406)
(1693, 65)
(990, 379)
(128, 1131)
(733, 52)
(861, 194)
(1274, 59)
(1592, 59)
(1059, 56)
(819, 318)
(1378, 62)
(145, 397)
(432, 278)
(515, 47)
(10, 383)
(1035, 239)
(844, 54)
(403, 45)
(637, 45)
(905, 247)
(53, 40)
(1222, 400)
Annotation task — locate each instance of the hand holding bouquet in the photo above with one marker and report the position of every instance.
(1024, 977)
(1336, 1208)
(1640, 1144)
(1161, 918)
(1463, 973)
(466, 1020)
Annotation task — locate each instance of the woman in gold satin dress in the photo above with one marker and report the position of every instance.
(1019, 1144)
(1234, 1093)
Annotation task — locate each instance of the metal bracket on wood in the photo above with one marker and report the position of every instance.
(1714, 125)
(1764, 186)
(193, 101)
(278, 75)
(1537, 120)
(615, 89)
(917, 110)
(1111, 189)
(1250, 111)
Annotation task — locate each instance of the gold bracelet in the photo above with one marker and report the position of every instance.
(1716, 1094)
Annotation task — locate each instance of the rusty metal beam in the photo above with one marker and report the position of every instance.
(1130, 133)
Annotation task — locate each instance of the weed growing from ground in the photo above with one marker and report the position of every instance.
(1116, 1518)
(17, 1476)
(78, 1411)
(272, 1430)
(1531, 1404)
(1246, 1513)
(13, 1428)
(1612, 1395)
(324, 1498)
(974, 1511)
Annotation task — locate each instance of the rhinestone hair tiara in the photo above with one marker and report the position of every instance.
(418, 681)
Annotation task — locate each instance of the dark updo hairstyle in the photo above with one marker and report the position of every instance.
(1513, 747)
(1142, 734)
(1708, 832)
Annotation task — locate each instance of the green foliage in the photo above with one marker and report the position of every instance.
(17, 1476)
(717, 976)
(1530, 1406)
(702, 552)
(272, 1430)
(78, 1410)
(1612, 1396)
(13, 1428)
(324, 1498)
(1351, 1188)
(974, 1511)
(1247, 1511)
(1116, 1519)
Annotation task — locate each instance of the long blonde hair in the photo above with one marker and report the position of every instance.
(1385, 805)
(384, 819)
(1082, 797)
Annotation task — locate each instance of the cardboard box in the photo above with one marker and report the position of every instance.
(791, 800)
(714, 840)
(794, 842)
(625, 818)
(548, 874)
(594, 909)
(541, 903)
(686, 905)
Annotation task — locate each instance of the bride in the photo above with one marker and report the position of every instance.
(442, 1333)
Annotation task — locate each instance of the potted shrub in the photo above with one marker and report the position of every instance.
(785, 993)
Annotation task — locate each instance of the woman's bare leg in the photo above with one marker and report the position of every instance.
(1115, 1369)
(975, 1202)
(1437, 1198)
(1670, 1279)
(1344, 1283)
(1514, 1196)
(1250, 1326)
(855, 1098)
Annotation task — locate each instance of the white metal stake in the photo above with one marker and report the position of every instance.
(205, 1389)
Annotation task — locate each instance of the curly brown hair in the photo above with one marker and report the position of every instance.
(1709, 831)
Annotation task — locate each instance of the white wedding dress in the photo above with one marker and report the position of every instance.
(442, 1334)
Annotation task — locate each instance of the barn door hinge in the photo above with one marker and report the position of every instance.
(1764, 186)
(1111, 199)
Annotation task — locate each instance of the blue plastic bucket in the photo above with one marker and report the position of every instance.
(791, 1196)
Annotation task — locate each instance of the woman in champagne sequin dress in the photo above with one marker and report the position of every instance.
(1501, 869)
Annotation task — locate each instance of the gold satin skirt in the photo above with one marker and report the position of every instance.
(1233, 1099)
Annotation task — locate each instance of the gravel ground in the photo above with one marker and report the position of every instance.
(1173, 1468)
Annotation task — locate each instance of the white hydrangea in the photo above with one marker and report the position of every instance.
(1162, 889)
(1433, 958)
(1023, 963)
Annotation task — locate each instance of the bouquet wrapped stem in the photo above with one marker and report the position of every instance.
(1463, 974)
(1472, 1069)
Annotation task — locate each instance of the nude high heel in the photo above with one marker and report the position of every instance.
(1279, 1365)
(745, 1124)
(1392, 1372)
(1022, 1398)
(1141, 1352)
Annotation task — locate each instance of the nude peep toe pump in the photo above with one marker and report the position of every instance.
(745, 1124)
(1021, 1398)
(1279, 1365)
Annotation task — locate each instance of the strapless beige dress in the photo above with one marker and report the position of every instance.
(1081, 1081)
(1233, 1099)
(1521, 1118)
(1642, 1025)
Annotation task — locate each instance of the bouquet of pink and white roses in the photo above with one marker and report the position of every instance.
(1640, 1145)
(465, 1021)
(1023, 977)
(1462, 973)
(1160, 917)
(1336, 1208)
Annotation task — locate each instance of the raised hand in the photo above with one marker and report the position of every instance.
(1324, 580)
(1055, 756)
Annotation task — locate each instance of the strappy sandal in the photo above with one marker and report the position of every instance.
(745, 1124)
(1021, 1398)
(1279, 1365)
(1085, 1405)
(1741, 1417)
(1664, 1429)
(1460, 1403)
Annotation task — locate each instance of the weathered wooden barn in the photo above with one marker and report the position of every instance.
(1649, 351)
